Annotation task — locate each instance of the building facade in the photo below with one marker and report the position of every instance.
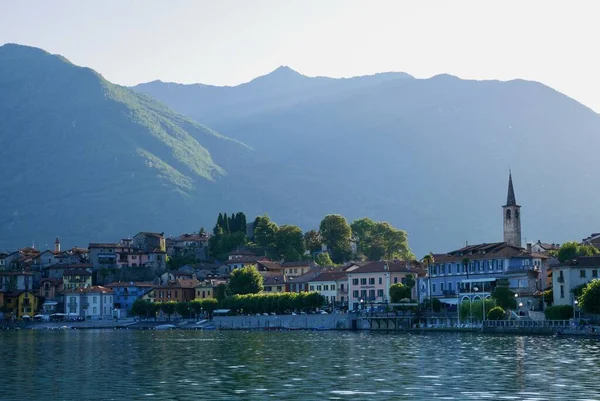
(94, 302)
(566, 277)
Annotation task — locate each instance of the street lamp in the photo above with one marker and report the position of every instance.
(574, 308)
(471, 303)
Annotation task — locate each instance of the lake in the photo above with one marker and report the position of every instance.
(294, 365)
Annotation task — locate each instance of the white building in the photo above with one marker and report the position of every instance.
(95, 302)
(332, 285)
(567, 276)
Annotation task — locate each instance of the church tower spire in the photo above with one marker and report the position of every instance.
(512, 216)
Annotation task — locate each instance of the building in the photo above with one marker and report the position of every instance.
(150, 242)
(51, 288)
(174, 290)
(21, 304)
(189, 245)
(94, 302)
(512, 217)
(301, 283)
(76, 278)
(126, 293)
(16, 281)
(274, 284)
(333, 285)
(572, 274)
(544, 248)
(370, 283)
(593, 240)
(207, 288)
(125, 254)
(296, 269)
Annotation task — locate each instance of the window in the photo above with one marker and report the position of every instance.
(95, 300)
(175, 293)
(380, 293)
(203, 294)
(379, 280)
(278, 288)
(395, 280)
(332, 287)
(433, 287)
(434, 270)
(363, 293)
(449, 286)
(355, 293)
(562, 291)
(372, 294)
(95, 311)
(319, 287)
(582, 273)
(312, 287)
(326, 287)
(354, 281)
(442, 287)
(363, 281)
(443, 269)
(594, 273)
(371, 281)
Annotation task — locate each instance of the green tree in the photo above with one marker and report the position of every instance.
(398, 292)
(183, 309)
(571, 250)
(559, 312)
(496, 313)
(220, 292)
(504, 297)
(313, 241)
(410, 281)
(337, 235)
(209, 305)
(324, 260)
(140, 308)
(202, 231)
(196, 306)
(175, 262)
(379, 240)
(219, 226)
(168, 308)
(246, 280)
(265, 231)
(590, 297)
(153, 308)
(290, 243)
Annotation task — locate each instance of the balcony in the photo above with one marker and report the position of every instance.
(449, 293)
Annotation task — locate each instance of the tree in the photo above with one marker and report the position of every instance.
(590, 297)
(209, 305)
(264, 231)
(398, 292)
(219, 226)
(559, 312)
(410, 281)
(246, 280)
(504, 297)
(290, 243)
(220, 292)
(201, 232)
(323, 259)
(496, 313)
(140, 308)
(152, 308)
(571, 250)
(175, 262)
(196, 306)
(168, 308)
(337, 235)
(313, 241)
(379, 240)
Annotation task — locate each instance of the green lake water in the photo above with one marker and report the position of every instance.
(235, 365)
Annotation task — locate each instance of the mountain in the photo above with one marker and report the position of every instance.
(429, 155)
(89, 160)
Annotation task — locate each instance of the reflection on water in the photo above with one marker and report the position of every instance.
(184, 365)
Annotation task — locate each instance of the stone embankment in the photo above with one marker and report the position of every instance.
(284, 322)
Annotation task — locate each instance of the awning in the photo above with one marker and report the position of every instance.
(73, 314)
(58, 314)
(221, 311)
(26, 317)
(38, 316)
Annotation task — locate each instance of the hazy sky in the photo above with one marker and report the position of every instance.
(229, 42)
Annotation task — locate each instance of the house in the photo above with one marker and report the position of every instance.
(543, 248)
(333, 285)
(593, 239)
(370, 283)
(300, 284)
(76, 278)
(125, 254)
(16, 281)
(297, 269)
(569, 275)
(240, 254)
(174, 290)
(189, 245)
(150, 242)
(274, 284)
(94, 302)
(126, 293)
(207, 288)
(57, 271)
(51, 288)
(21, 304)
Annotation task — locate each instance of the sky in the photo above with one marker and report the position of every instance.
(231, 42)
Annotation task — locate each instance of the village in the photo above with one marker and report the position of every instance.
(105, 280)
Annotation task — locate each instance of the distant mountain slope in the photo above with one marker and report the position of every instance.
(281, 88)
(83, 158)
(429, 155)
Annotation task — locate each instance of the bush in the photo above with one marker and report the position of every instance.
(590, 297)
(559, 312)
(277, 302)
(496, 313)
(436, 304)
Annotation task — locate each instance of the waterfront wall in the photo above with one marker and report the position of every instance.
(306, 322)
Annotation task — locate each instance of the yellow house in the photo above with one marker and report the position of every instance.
(76, 278)
(206, 289)
(274, 284)
(21, 303)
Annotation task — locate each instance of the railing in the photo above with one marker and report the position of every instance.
(527, 323)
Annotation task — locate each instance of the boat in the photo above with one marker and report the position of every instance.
(165, 327)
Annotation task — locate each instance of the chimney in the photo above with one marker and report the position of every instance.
(529, 247)
(57, 245)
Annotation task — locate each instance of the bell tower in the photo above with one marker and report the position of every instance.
(512, 216)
